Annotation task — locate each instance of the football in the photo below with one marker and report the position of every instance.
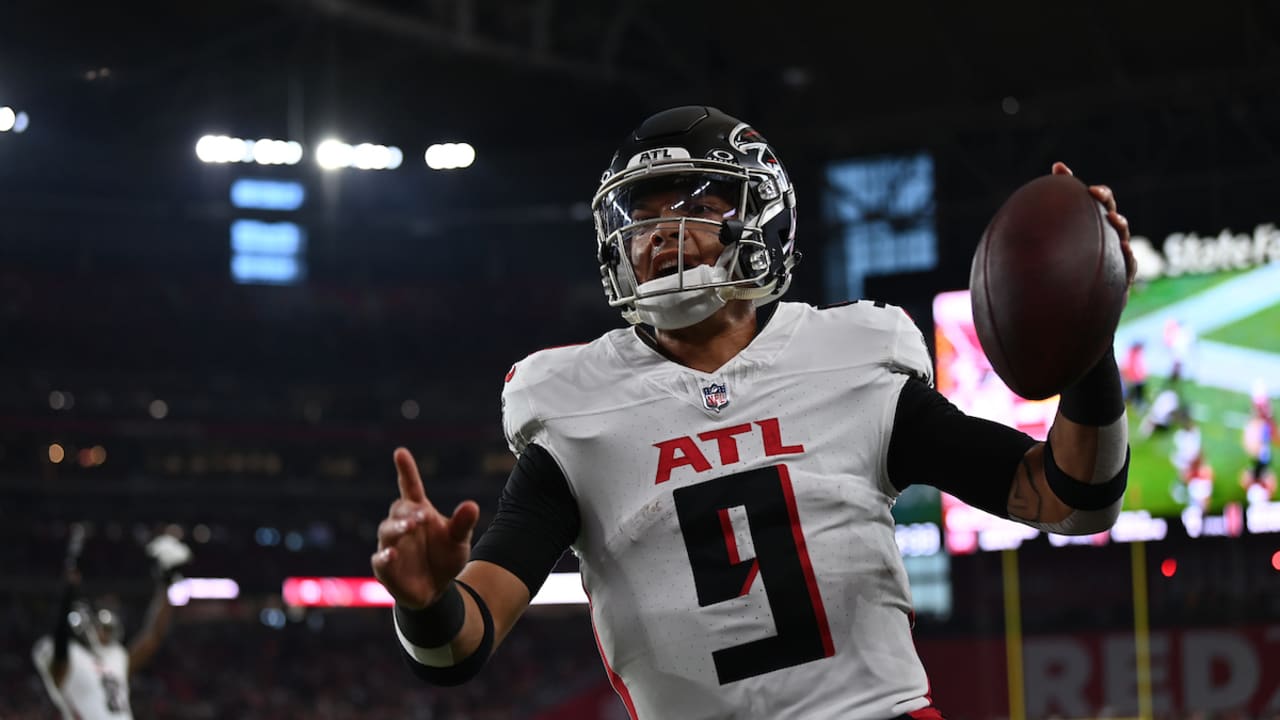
(1047, 286)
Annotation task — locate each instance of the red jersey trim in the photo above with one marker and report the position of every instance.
(828, 647)
(615, 679)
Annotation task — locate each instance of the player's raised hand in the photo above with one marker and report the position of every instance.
(1104, 195)
(420, 550)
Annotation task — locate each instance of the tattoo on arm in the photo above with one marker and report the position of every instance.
(1031, 500)
(1025, 501)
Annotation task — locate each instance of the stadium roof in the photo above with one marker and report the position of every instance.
(513, 73)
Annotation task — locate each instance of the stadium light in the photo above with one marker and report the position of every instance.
(264, 151)
(450, 156)
(333, 154)
(21, 121)
(8, 118)
(222, 149)
(368, 156)
(276, 152)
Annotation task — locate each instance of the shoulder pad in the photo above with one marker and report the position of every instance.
(881, 330)
(536, 376)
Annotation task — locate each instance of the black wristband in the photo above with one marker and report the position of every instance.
(1081, 495)
(458, 674)
(436, 624)
(1096, 399)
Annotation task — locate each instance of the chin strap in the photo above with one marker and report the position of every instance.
(760, 295)
(661, 304)
(673, 308)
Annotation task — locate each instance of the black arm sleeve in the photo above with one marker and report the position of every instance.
(62, 628)
(933, 443)
(536, 522)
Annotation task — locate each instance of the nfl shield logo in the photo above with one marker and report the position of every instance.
(715, 396)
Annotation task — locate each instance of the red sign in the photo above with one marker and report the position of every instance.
(335, 592)
(1212, 670)
(1206, 670)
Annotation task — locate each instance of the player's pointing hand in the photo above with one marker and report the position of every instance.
(420, 550)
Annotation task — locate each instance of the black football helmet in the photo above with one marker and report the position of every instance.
(696, 150)
(83, 623)
(94, 626)
(109, 623)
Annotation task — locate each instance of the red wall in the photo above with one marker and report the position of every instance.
(1075, 676)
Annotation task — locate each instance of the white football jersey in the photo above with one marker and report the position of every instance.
(736, 541)
(97, 682)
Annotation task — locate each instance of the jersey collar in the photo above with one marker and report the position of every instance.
(778, 325)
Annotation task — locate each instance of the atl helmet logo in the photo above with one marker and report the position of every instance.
(653, 155)
(745, 136)
(715, 396)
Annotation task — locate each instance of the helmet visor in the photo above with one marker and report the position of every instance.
(649, 202)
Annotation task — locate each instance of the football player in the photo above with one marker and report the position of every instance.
(724, 469)
(1258, 480)
(84, 665)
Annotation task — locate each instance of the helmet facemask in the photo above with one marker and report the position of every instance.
(84, 625)
(711, 197)
(92, 627)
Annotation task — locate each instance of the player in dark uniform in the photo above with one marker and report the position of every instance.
(724, 469)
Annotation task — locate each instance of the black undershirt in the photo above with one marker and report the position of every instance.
(932, 443)
(537, 520)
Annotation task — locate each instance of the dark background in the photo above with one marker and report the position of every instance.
(285, 402)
